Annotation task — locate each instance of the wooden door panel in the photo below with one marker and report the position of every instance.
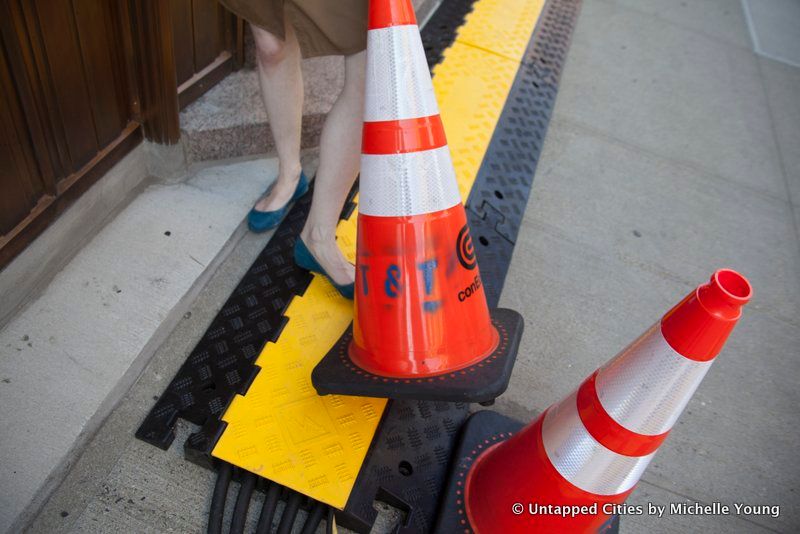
(82, 81)
(207, 32)
(15, 202)
(20, 183)
(62, 68)
(34, 103)
(183, 38)
(70, 81)
(105, 79)
(209, 44)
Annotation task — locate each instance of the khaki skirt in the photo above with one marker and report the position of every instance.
(323, 27)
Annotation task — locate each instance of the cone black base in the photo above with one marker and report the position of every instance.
(482, 382)
(482, 430)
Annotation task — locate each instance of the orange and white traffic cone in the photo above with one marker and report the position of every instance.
(421, 328)
(572, 468)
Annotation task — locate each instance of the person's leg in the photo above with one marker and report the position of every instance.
(282, 90)
(339, 158)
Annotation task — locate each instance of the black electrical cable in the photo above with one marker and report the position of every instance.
(329, 521)
(242, 503)
(314, 518)
(217, 509)
(268, 509)
(289, 513)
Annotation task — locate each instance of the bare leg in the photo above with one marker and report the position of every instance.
(282, 90)
(339, 159)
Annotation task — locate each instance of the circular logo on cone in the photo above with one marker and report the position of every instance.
(465, 250)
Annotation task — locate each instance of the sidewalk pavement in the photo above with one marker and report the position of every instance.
(674, 150)
(73, 352)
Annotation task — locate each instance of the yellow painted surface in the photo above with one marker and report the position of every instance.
(281, 429)
(470, 103)
(502, 27)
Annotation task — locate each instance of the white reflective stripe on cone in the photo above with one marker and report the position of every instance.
(413, 183)
(398, 80)
(647, 385)
(581, 459)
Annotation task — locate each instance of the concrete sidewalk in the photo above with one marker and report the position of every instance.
(71, 354)
(674, 150)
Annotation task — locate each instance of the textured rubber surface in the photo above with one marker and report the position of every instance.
(481, 382)
(482, 430)
(221, 365)
(499, 196)
(407, 465)
(280, 428)
(505, 27)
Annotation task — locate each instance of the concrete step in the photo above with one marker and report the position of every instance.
(69, 356)
(230, 120)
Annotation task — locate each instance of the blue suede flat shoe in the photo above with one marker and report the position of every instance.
(306, 260)
(261, 221)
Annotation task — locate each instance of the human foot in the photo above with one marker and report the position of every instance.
(281, 193)
(330, 258)
(260, 221)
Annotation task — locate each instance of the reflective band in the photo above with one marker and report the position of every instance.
(407, 135)
(647, 385)
(606, 430)
(407, 184)
(398, 80)
(580, 459)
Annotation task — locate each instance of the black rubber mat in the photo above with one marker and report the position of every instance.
(481, 382)
(407, 465)
(480, 426)
(500, 193)
(221, 365)
(482, 430)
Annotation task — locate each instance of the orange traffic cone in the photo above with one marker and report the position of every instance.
(572, 468)
(422, 328)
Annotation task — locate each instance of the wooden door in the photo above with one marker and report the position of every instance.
(207, 43)
(83, 81)
(20, 182)
(68, 106)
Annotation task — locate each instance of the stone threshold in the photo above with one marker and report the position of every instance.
(230, 120)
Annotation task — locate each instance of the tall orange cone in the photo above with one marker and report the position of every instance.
(421, 328)
(583, 456)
